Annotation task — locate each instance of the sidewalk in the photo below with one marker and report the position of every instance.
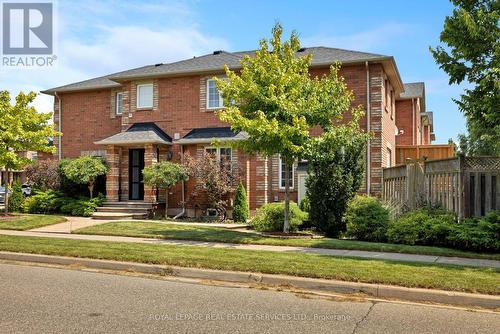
(322, 251)
(75, 223)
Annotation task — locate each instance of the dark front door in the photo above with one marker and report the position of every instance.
(136, 165)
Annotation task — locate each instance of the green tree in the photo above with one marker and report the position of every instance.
(164, 174)
(240, 206)
(471, 54)
(276, 102)
(85, 170)
(335, 168)
(22, 129)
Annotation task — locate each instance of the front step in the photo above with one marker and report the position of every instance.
(112, 215)
(123, 210)
(142, 205)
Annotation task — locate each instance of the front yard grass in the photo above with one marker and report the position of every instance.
(217, 234)
(22, 222)
(446, 277)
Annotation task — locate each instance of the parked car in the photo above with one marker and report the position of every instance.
(2, 194)
(26, 189)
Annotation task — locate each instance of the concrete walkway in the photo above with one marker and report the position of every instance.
(321, 251)
(75, 223)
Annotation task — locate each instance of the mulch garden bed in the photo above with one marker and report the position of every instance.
(291, 235)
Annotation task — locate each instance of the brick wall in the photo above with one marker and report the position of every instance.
(179, 106)
(408, 120)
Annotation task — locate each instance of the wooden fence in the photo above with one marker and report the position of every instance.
(467, 186)
(430, 152)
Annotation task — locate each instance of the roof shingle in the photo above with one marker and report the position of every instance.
(211, 63)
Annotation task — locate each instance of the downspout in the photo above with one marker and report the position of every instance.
(59, 127)
(183, 212)
(413, 136)
(368, 130)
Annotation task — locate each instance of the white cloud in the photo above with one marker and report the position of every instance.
(369, 40)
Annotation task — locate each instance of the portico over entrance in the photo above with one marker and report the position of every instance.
(127, 153)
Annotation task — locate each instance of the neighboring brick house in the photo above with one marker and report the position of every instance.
(162, 111)
(413, 121)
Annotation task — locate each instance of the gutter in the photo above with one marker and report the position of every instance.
(183, 212)
(59, 126)
(368, 130)
(413, 121)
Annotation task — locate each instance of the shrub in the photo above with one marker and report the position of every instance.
(335, 169)
(421, 227)
(43, 202)
(240, 206)
(305, 205)
(270, 217)
(16, 198)
(82, 207)
(367, 219)
(55, 202)
(477, 234)
(436, 227)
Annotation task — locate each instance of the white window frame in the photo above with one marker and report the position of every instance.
(221, 101)
(281, 179)
(138, 96)
(120, 112)
(217, 151)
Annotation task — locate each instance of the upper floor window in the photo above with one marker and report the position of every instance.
(214, 99)
(145, 96)
(119, 103)
(282, 174)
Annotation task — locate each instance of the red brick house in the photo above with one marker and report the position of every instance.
(160, 112)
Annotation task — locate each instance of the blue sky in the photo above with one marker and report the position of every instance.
(100, 37)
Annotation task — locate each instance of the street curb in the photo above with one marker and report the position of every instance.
(322, 285)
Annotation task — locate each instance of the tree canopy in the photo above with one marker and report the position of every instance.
(85, 170)
(164, 174)
(471, 54)
(22, 129)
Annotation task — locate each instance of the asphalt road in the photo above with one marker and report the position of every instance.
(53, 300)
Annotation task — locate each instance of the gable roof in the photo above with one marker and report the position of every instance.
(214, 62)
(138, 133)
(413, 90)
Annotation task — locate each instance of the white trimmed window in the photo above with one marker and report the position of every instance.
(145, 96)
(119, 103)
(223, 154)
(214, 99)
(282, 174)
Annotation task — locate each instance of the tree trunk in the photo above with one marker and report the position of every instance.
(6, 194)
(286, 225)
(166, 203)
(91, 189)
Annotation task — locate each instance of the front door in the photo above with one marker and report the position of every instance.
(136, 165)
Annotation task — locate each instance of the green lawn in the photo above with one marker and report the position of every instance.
(24, 222)
(480, 280)
(217, 234)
